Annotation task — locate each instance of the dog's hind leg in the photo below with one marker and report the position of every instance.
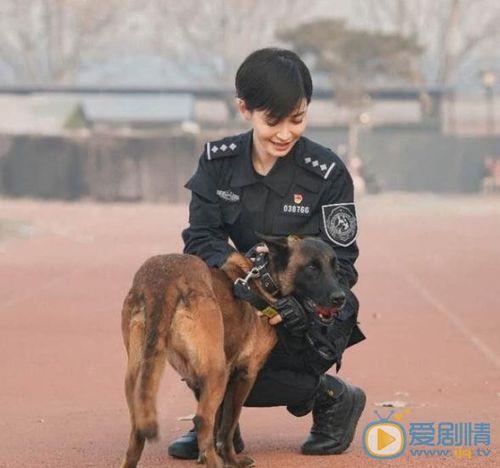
(237, 391)
(133, 330)
(198, 339)
(211, 395)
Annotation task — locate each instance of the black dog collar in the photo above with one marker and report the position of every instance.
(260, 271)
(242, 290)
(261, 263)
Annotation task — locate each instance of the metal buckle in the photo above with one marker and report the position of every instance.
(253, 273)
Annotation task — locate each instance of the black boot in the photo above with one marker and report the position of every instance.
(337, 409)
(186, 447)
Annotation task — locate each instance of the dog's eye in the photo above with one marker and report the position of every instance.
(312, 269)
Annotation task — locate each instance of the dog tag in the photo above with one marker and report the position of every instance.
(269, 312)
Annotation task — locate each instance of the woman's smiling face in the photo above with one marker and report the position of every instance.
(276, 139)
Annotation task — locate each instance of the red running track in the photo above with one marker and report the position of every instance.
(430, 306)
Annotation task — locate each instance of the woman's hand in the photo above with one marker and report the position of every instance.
(262, 249)
(291, 313)
(272, 321)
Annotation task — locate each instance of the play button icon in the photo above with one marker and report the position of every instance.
(384, 439)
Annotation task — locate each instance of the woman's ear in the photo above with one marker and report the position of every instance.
(242, 108)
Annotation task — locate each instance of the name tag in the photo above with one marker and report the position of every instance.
(228, 195)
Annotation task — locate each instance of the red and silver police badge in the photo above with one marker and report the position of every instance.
(297, 198)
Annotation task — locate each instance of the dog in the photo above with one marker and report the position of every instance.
(181, 311)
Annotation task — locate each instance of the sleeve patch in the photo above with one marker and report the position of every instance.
(339, 222)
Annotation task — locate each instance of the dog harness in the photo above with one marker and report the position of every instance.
(260, 271)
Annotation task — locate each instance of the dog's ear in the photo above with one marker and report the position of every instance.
(273, 241)
(279, 250)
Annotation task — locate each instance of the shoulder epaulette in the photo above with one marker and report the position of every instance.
(229, 146)
(318, 159)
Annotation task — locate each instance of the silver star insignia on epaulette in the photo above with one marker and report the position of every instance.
(323, 167)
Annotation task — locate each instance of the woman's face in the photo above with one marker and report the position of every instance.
(276, 139)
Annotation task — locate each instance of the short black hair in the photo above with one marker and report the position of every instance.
(273, 80)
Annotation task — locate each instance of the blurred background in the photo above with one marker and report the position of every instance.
(104, 110)
(113, 100)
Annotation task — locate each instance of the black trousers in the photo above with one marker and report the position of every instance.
(283, 387)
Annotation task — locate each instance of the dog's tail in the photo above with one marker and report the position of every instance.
(151, 346)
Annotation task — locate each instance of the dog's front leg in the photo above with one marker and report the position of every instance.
(237, 391)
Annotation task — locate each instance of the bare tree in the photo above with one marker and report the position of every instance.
(46, 41)
(218, 34)
(451, 30)
(354, 58)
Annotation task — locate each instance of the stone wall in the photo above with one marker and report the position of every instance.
(154, 168)
(43, 167)
(417, 158)
(98, 166)
(140, 168)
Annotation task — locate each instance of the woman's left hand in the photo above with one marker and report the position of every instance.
(272, 321)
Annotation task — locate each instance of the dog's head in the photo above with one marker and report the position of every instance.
(307, 269)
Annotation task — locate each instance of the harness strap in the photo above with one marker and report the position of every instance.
(261, 263)
(242, 290)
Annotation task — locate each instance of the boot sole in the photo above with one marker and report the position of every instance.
(356, 411)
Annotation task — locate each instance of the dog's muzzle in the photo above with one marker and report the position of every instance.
(323, 315)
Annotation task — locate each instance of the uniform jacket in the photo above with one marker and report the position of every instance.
(308, 192)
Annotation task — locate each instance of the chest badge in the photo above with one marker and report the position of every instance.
(296, 208)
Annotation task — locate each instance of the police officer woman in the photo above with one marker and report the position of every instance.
(274, 181)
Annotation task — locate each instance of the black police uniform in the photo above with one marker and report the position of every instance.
(308, 192)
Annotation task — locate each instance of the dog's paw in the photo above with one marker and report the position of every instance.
(210, 461)
(241, 462)
(245, 461)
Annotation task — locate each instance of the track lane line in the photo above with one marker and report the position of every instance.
(484, 349)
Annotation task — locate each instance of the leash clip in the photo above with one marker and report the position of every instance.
(253, 273)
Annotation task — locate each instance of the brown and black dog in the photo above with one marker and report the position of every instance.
(180, 310)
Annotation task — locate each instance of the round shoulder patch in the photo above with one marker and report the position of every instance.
(339, 222)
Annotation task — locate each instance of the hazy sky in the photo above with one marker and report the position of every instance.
(148, 45)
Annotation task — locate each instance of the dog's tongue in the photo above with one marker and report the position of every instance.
(326, 312)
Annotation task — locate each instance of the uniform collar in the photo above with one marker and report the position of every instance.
(243, 171)
(279, 177)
